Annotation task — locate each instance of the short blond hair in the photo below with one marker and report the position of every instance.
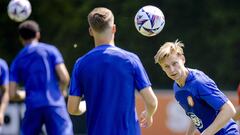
(169, 48)
(100, 19)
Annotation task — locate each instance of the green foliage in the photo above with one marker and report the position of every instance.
(209, 29)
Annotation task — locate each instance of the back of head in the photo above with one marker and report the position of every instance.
(28, 29)
(100, 19)
(167, 49)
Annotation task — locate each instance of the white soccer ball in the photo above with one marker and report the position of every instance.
(19, 10)
(149, 20)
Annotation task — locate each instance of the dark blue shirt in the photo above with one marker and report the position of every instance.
(34, 67)
(107, 77)
(202, 100)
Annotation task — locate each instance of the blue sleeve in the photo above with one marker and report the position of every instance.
(140, 76)
(210, 93)
(56, 56)
(74, 88)
(4, 73)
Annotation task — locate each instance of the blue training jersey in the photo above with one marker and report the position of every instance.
(202, 100)
(4, 75)
(34, 68)
(107, 77)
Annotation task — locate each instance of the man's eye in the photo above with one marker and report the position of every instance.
(174, 63)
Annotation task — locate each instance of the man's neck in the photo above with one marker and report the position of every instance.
(182, 81)
(30, 41)
(104, 40)
(104, 43)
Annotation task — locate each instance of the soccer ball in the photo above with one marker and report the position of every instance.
(19, 10)
(149, 20)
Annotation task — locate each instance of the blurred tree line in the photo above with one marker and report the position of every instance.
(209, 28)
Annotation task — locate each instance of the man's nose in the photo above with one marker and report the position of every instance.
(171, 68)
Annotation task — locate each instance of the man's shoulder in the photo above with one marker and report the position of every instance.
(3, 64)
(46, 45)
(200, 78)
(2, 61)
(125, 53)
(197, 74)
(49, 48)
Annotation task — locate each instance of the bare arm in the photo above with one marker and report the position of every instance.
(151, 104)
(237, 115)
(226, 113)
(191, 129)
(4, 101)
(63, 77)
(237, 107)
(14, 94)
(75, 105)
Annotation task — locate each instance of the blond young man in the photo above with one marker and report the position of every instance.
(209, 109)
(107, 77)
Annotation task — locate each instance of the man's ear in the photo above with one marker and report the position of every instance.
(90, 31)
(114, 28)
(183, 59)
(38, 35)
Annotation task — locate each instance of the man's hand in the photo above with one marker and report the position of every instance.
(1, 119)
(145, 120)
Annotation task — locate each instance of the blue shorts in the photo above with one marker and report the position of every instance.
(56, 119)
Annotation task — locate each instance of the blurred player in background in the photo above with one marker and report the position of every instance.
(40, 68)
(4, 87)
(209, 109)
(107, 77)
